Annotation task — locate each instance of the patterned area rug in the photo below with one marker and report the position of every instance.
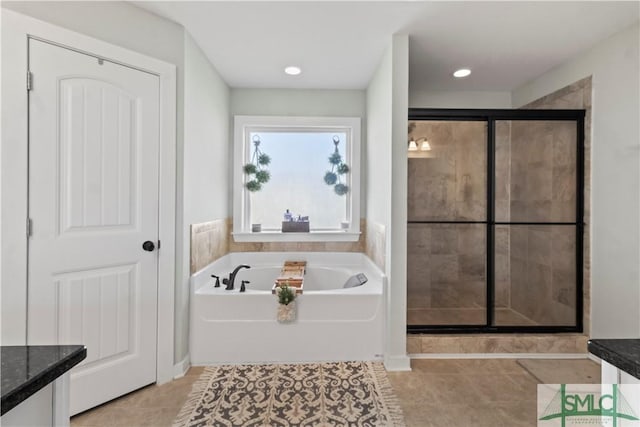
(288, 395)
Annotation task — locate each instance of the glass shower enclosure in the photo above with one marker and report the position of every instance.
(495, 221)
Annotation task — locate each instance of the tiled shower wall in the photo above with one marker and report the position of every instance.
(449, 182)
(212, 240)
(535, 181)
(548, 247)
(502, 209)
(446, 262)
(543, 189)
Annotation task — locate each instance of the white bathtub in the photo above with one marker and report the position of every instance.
(332, 324)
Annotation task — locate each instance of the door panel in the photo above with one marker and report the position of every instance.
(93, 200)
(97, 155)
(99, 301)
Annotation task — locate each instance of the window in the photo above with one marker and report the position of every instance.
(290, 163)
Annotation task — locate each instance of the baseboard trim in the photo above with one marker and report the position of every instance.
(499, 356)
(594, 358)
(181, 368)
(397, 363)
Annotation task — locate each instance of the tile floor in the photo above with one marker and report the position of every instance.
(150, 406)
(437, 392)
(479, 393)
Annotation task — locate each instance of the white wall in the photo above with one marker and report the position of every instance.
(379, 137)
(304, 102)
(615, 160)
(461, 99)
(397, 323)
(123, 24)
(386, 159)
(298, 102)
(205, 176)
(116, 22)
(16, 27)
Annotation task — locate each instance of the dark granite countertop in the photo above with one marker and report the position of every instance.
(27, 369)
(622, 353)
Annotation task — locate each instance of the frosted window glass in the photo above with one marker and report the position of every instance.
(299, 161)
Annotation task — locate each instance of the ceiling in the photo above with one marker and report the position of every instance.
(339, 44)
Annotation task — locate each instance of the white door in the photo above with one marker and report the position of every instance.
(93, 201)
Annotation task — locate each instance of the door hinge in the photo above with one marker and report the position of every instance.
(29, 80)
(158, 244)
(29, 227)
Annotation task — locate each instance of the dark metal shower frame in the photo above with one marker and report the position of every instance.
(490, 116)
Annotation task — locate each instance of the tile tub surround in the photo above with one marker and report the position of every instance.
(27, 369)
(624, 354)
(209, 241)
(358, 246)
(212, 240)
(375, 243)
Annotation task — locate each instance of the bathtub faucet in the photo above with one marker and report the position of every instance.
(232, 277)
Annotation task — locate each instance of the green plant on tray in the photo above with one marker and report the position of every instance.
(286, 294)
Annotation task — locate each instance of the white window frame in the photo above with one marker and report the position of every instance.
(244, 125)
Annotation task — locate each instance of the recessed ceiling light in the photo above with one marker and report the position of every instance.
(462, 72)
(292, 70)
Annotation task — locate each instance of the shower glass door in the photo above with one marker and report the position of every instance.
(536, 222)
(495, 221)
(447, 215)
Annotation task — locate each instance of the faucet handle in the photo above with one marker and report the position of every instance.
(242, 285)
(217, 285)
(228, 282)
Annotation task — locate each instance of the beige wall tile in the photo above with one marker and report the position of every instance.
(413, 345)
(358, 246)
(550, 195)
(516, 343)
(209, 241)
(376, 244)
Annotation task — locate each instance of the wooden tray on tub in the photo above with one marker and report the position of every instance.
(292, 274)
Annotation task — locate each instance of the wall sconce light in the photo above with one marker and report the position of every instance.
(422, 144)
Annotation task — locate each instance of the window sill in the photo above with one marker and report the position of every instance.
(312, 236)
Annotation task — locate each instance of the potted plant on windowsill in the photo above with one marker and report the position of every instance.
(286, 303)
(256, 174)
